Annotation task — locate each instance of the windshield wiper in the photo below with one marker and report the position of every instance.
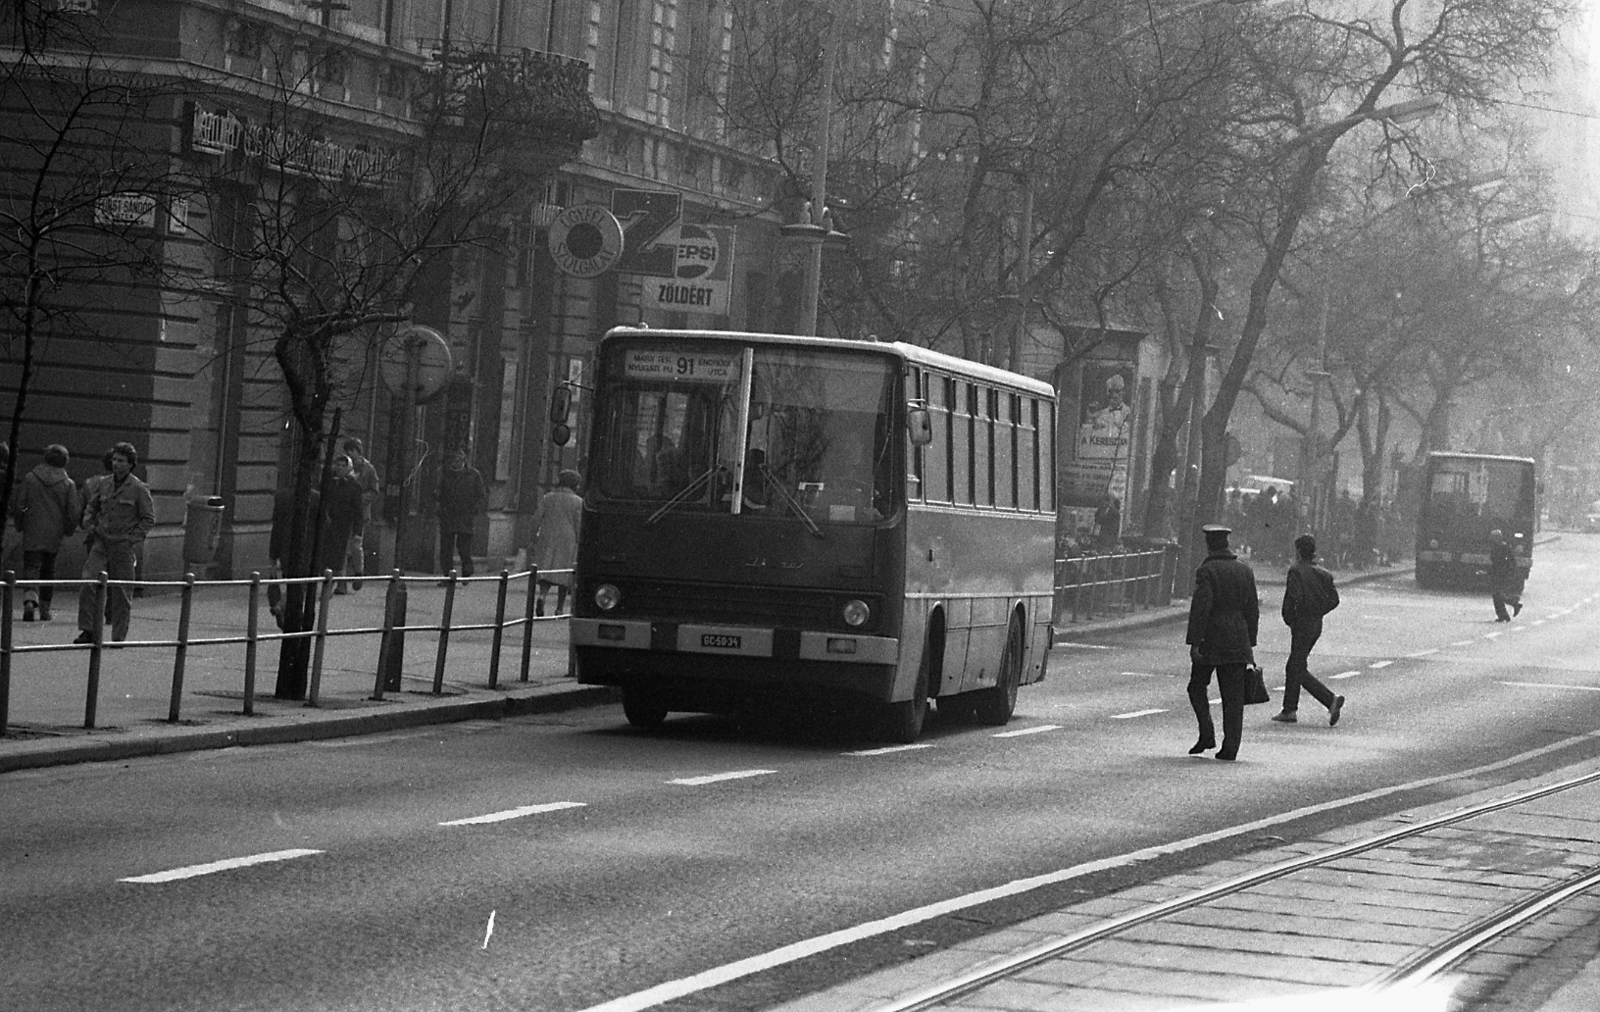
(789, 500)
(682, 497)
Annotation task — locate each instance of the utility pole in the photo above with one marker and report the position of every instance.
(811, 292)
(1312, 494)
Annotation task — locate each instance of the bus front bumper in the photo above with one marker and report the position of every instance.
(734, 641)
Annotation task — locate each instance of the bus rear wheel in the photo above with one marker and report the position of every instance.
(644, 707)
(995, 706)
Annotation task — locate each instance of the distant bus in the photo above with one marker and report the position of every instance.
(771, 517)
(1464, 496)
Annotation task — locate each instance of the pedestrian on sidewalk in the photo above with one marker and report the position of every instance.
(118, 516)
(341, 520)
(367, 477)
(48, 507)
(462, 501)
(1505, 579)
(1308, 595)
(555, 538)
(1224, 617)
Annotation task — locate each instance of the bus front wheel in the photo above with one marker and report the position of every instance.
(903, 720)
(995, 706)
(643, 707)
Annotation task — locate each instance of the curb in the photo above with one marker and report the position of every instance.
(165, 742)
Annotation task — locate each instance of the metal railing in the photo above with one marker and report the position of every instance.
(390, 632)
(1091, 586)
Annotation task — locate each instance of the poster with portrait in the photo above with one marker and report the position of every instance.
(1102, 450)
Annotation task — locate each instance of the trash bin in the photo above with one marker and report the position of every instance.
(202, 530)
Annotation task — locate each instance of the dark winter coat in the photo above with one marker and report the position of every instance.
(48, 508)
(1505, 576)
(1224, 613)
(341, 517)
(1309, 593)
(462, 500)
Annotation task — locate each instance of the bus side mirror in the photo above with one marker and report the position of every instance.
(919, 425)
(560, 404)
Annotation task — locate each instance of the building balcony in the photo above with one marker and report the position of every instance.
(542, 94)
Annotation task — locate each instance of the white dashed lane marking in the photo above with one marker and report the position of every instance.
(1420, 653)
(1083, 646)
(712, 778)
(1136, 713)
(514, 813)
(1462, 643)
(1375, 665)
(888, 749)
(1027, 730)
(1554, 685)
(1345, 674)
(211, 868)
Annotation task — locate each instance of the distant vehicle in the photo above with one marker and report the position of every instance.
(1464, 497)
(771, 517)
(1253, 485)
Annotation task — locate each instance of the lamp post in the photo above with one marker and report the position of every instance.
(816, 226)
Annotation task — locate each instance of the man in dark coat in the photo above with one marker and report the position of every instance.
(1505, 578)
(1308, 594)
(1224, 615)
(463, 499)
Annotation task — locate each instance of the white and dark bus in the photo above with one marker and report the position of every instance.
(769, 517)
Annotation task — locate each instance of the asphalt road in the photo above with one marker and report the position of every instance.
(609, 861)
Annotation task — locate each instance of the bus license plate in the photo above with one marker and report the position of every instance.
(720, 641)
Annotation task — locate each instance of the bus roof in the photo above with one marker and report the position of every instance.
(905, 352)
(1455, 455)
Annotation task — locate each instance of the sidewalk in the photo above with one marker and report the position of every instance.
(48, 700)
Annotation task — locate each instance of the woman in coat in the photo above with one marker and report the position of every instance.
(48, 509)
(555, 538)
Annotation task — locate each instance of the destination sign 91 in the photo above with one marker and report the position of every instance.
(683, 367)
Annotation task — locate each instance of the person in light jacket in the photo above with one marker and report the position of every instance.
(119, 514)
(1224, 617)
(48, 507)
(555, 538)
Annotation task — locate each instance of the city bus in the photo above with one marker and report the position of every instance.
(1464, 496)
(770, 518)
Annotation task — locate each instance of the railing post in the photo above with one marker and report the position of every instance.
(388, 641)
(96, 646)
(324, 596)
(527, 621)
(499, 628)
(252, 629)
(444, 633)
(7, 597)
(180, 656)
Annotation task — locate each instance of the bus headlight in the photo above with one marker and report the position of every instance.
(856, 613)
(607, 597)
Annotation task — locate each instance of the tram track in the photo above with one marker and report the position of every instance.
(1425, 961)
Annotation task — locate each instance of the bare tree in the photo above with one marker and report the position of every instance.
(324, 248)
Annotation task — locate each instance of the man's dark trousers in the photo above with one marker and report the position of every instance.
(1302, 637)
(1230, 682)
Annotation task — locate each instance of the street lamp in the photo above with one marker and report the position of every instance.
(815, 228)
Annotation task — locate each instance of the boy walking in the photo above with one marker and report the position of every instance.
(1309, 595)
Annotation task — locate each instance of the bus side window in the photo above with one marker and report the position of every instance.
(1028, 455)
(916, 459)
(961, 444)
(937, 452)
(1045, 423)
(1005, 450)
(983, 447)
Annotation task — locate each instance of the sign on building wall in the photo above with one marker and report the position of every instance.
(702, 281)
(585, 241)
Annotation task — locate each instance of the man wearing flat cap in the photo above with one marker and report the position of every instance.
(1224, 615)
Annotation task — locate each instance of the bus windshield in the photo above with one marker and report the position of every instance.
(1466, 493)
(815, 436)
